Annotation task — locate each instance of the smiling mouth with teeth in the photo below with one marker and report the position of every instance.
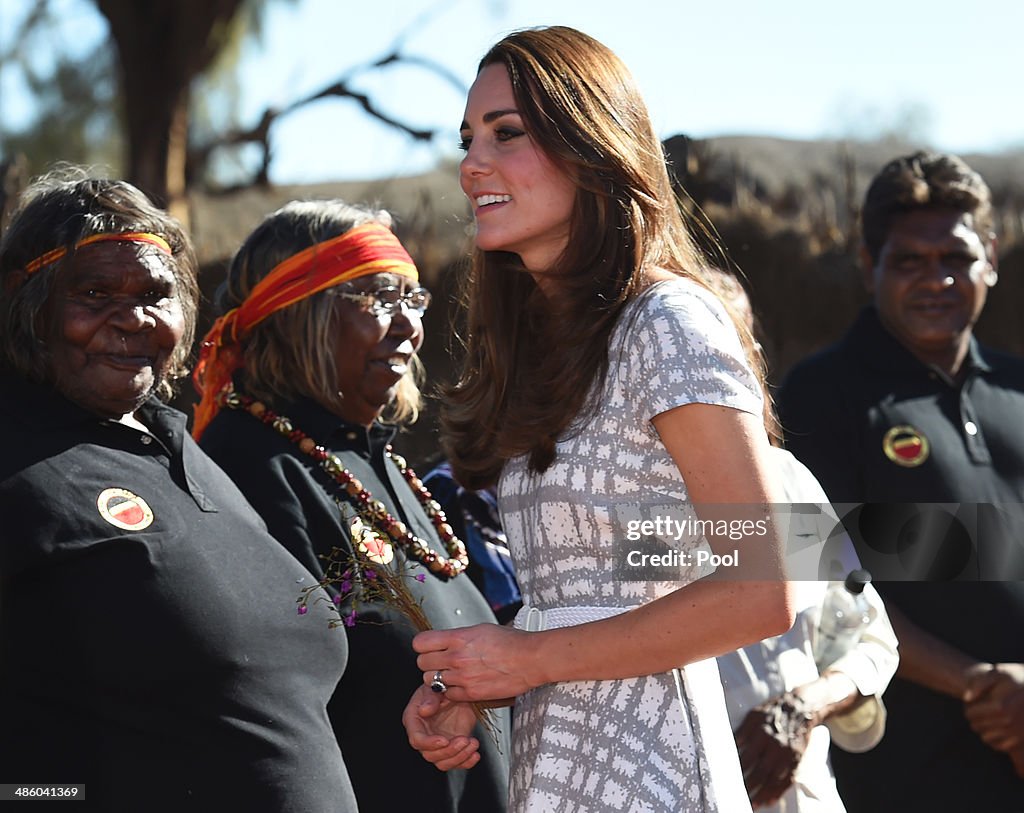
(487, 200)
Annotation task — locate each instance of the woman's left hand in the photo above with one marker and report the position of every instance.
(483, 662)
(441, 730)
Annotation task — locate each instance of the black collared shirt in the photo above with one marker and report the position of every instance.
(150, 644)
(877, 426)
(948, 507)
(294, 496)
(837, 406)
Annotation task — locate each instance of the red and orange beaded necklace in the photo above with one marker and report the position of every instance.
(370, 510)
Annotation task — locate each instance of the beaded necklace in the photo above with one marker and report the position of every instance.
(371, 510)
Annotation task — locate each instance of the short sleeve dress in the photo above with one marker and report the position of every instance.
(659, 743)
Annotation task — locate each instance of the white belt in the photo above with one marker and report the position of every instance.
(533, 619)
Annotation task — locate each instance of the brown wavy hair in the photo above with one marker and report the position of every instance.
(58, 210)
(923, 180)
(291, 352)
(535, 367)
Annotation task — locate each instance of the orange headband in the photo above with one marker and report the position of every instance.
(56, 254)
(359, 252)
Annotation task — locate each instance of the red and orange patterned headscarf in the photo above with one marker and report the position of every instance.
(361, 251)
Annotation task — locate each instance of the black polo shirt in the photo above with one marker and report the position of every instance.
(837, 406)
(294, 496)
(150, 645)
(940, 467)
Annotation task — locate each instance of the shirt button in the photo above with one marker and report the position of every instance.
(970, 428)
(458, 611)
(350, 436)
(146, 440)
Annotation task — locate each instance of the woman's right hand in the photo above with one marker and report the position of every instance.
(440, 729)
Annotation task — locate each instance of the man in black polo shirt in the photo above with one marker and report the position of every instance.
(910, 416)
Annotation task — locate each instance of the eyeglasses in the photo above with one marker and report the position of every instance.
(386, 301)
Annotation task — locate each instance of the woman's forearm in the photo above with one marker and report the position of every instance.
(703, 620)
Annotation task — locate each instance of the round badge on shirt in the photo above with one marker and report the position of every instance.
(123, 509)
(905, 446)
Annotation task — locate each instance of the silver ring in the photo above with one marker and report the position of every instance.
(438, 684)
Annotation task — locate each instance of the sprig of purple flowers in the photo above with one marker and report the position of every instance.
(356, 579)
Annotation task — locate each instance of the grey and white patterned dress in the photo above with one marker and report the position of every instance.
(659, 743)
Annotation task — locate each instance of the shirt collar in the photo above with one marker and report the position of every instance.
(883, 351)
(976, 359)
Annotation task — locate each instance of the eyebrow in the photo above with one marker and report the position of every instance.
(387, 280)
(492, 116)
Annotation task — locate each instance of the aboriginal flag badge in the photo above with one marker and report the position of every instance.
(124, 510)
(905, 446)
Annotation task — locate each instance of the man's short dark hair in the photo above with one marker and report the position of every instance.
(924, 180)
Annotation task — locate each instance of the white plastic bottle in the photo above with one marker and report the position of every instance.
(845, 613)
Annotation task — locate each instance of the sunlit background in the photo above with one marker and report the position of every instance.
(936, 72)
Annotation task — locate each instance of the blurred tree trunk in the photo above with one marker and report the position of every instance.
(13, 179)
(162, 46)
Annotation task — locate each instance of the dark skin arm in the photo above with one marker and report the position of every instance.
(931, 662)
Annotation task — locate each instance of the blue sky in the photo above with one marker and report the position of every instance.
(947, 72)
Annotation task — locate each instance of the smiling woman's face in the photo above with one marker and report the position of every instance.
(117, 319)
(372, 353)
(521, 201)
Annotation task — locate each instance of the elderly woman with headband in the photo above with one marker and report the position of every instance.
(315, 351)
(149, 643)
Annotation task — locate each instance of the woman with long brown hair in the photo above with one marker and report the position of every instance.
(604, 384)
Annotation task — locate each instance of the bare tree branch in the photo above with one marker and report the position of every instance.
(342, 90)
(259, 134)
(423, 62)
